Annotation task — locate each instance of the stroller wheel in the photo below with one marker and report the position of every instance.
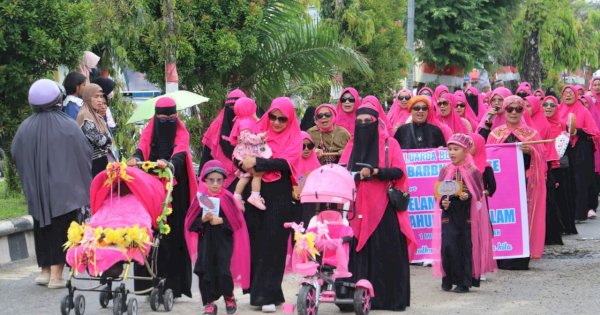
(66, 305)
(155, 299)
(132, 307)
(118, 304)
(79, 305)
(104, 297)
(362, 301)
(307, 300)
(168, 300)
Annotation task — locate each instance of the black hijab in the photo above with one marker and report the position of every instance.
(308, 120)
(366, 142)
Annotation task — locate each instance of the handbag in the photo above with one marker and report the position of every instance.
(398, 198)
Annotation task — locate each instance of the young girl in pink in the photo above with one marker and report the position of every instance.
(248, 142)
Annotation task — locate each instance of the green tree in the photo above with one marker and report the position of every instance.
(35, 38)
(461, 33)
(268, 48)
(374, 28)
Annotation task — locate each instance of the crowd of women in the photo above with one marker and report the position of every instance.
(276, 152)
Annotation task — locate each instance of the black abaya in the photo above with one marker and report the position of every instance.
(581, 159)
(268, 237)
(419, 136)
(565, 200)
(553, 223)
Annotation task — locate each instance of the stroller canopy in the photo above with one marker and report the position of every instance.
(329, 183)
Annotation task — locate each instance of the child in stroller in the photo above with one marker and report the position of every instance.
(129, 210)
(327, 235)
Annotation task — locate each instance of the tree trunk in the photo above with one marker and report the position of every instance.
(532, 63)
(171, 77)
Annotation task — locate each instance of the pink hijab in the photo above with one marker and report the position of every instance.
(382, 116)
(536, 179)
(398, 115)
(480, 156)
(439, 90)
(456, 124)
(426, 89)
(344, 119)
(212, 138)
(524, 87)
(481, 228)
(371, 193)
(584, 121)
(310, 163)
(240, 256)
(333, 116)
(538, 121)
(540, 91)
(469, 114)
(594, 94)
(498, 119)
(433, 120)
(181, 142)
(286, 144)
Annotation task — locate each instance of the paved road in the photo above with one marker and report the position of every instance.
(566, 281)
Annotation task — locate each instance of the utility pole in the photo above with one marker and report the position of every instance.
(410, 38)
(171, 77)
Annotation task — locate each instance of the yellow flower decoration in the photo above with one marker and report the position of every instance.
(168, 186)
(116, 170)
(147, 165)
(169, 211)
(74, 235)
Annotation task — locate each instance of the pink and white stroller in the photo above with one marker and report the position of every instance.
(327, 235)
(129, 214)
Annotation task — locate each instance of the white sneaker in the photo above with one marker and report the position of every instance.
(269, 308)
(592, 214)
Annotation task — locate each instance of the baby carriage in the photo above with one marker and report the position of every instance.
(129, 215)
(327, 235)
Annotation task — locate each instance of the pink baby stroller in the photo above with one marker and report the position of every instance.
(129, 215)
(328, 233)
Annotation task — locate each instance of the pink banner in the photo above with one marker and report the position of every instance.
(508, 207)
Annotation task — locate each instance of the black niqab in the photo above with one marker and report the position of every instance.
(163, 140)
(308, 120)
(473, 101)
(226, 127)
(366, 146)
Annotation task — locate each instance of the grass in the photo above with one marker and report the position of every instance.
(11, 205)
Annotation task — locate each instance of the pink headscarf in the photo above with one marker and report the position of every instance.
(536, 180)
(286, 144)
(584, 121)
(212, 138)
(333, 116)
(344, 119)
(181, 143)
(425, 89)
(245, 118)
(497, 120)
(524, 86)
(469, 114)
(439, 90)
(398, 115)
(541, 91)
(538, 121)
(480, 156)
(579, 88)
(382, 116)
(310, 163)
(481, 228)
(433, 120)
(371, 193)
(595, 94)
(240, 256)
(456, 124)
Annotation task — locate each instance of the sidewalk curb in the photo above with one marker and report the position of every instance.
(16, 239)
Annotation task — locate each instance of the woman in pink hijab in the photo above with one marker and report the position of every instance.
(582, 152)
(464, 110)
(346, 108)
(383, 117)
(477, 102)
(494, 116)
(398, 113)
(514, 130)
(268, 237)
(447, 114)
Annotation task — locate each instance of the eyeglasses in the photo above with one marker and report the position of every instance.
(443, 103)
(510, 109)
(406, 98)
(308, 146)
(461, 105)
(522, 94)
(212, 181)
(323, 115)
(347, 99)
(549, 104)
(425, 93)
(423, 108)
(280, 119)
(365, 121)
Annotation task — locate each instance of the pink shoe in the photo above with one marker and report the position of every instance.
(239, 202)
(258, 202)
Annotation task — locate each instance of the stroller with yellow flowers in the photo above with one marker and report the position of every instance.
(129, 214)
